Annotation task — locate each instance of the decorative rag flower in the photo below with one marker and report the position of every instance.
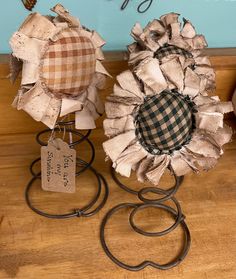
(160, 115)
(61, 69)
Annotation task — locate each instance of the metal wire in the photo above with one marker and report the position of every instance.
(142, 7)
(82, 139)
(145, 263)
(102, 187)
(179, 219)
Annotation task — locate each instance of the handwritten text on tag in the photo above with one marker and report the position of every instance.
(58, 165)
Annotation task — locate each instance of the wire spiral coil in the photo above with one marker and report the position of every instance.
(67, 128)
(179, 219)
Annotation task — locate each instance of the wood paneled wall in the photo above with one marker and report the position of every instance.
(13, 121)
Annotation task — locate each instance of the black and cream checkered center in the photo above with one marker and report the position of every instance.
(171, 50)
(164, 122)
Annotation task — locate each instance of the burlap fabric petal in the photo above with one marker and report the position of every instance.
(61, 69)
(162, 114)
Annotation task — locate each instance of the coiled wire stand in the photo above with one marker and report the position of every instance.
(67, 127)
(166, 195)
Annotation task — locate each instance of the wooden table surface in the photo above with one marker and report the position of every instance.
(34, 247)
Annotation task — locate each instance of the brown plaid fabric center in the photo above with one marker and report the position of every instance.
(164, 122)
(68, 65)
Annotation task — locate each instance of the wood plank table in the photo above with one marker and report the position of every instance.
(34, 247)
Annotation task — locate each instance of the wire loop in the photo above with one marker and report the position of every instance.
(165, 195)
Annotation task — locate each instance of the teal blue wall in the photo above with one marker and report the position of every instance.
(216, 19)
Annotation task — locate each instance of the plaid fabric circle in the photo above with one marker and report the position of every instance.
(164, 122)
(68, 65)
(169, 50)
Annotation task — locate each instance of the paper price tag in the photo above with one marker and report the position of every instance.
(58, 166)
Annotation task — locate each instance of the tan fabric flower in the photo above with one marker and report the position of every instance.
(160, 115)
(61, 68)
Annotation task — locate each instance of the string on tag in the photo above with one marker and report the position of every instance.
(52, 135)
(70, 134)
(64, 133)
